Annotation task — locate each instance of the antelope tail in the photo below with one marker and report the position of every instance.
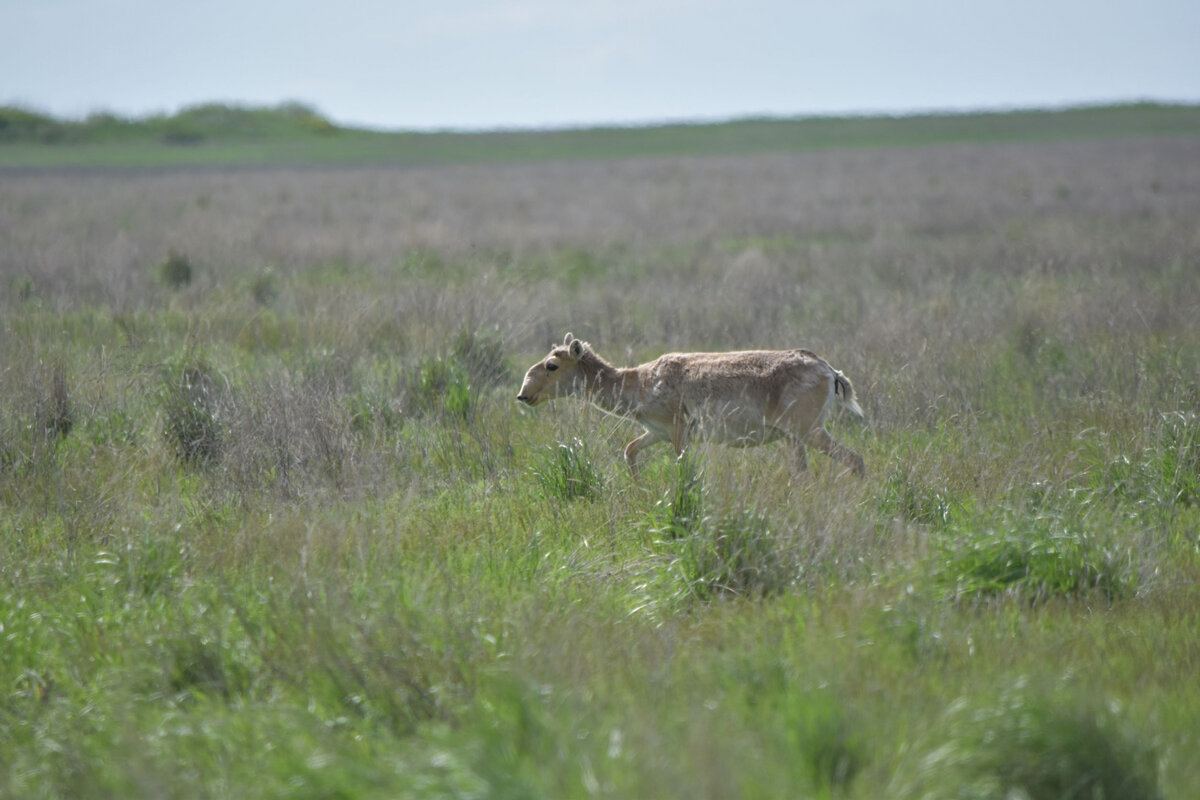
(844, 392)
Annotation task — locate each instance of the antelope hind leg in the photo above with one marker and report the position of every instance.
(631, 450)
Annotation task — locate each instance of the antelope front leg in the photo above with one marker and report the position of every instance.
(821, 439)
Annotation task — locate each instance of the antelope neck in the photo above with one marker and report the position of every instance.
(608, 386)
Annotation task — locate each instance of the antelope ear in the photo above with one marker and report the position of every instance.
(576, 349)
(570, 337)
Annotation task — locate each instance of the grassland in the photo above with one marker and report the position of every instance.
(273, 525)
(296, 135)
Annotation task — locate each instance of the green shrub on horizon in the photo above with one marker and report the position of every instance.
(18, 124)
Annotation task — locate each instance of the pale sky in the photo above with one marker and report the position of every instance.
(478, 64)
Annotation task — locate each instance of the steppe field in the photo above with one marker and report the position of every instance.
(272, 523)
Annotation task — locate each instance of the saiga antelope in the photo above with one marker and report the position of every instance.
(742, 398)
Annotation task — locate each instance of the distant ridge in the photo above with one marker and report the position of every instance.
(296, 134)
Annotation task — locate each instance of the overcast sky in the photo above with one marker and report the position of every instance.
(398, 64)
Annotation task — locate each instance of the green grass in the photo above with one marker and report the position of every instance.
(216, 135)
(566, 471)
(282, 530)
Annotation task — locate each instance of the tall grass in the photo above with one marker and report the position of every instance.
(566, 471)
(297, 538)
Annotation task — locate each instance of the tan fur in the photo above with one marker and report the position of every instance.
(742, 398)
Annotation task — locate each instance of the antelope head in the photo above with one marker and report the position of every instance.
(555, 375)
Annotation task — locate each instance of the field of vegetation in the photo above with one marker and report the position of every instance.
(273, 525)
(294, 134)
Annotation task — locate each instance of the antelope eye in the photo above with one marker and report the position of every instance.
(551, 367)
